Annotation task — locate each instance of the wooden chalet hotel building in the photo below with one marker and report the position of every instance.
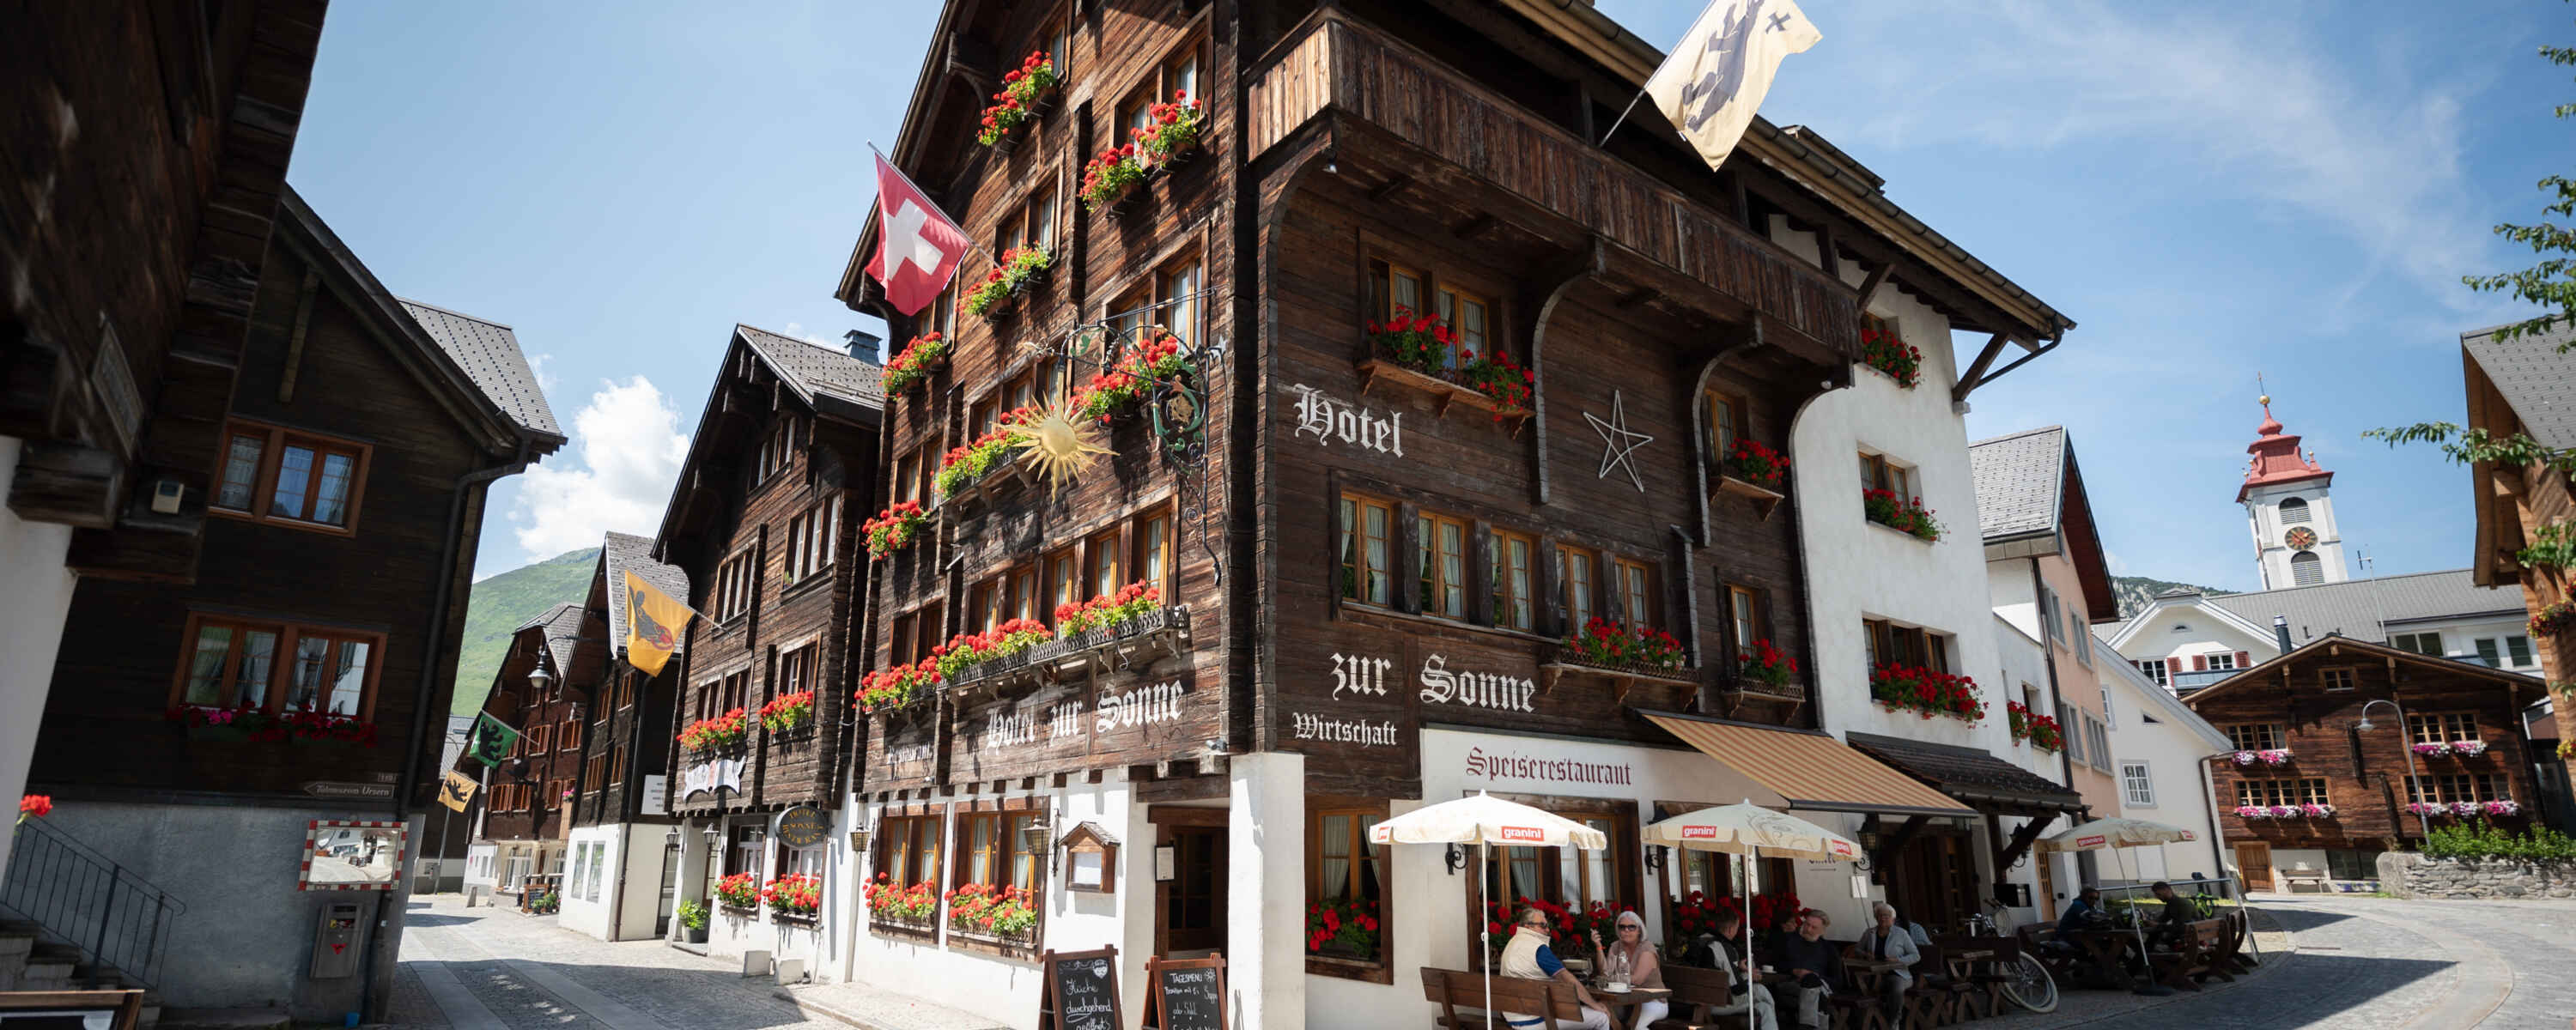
(761, 523)
(1365, 573)
(526, 809)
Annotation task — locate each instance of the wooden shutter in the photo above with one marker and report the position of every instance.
(2200, 663)
(2173, 666)
(2244, 660)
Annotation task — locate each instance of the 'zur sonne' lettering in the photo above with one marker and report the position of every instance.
(1474, 689)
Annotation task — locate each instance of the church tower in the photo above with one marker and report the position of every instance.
(2295, 540)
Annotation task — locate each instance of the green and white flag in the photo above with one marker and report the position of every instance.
(491, 741)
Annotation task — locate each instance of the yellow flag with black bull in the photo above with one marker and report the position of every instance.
(653, 625)
(457, 791)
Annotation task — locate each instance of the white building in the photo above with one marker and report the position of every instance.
(2157, 746)
(2296, 542)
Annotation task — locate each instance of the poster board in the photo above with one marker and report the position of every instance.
(1185, 994)
(1081, 990)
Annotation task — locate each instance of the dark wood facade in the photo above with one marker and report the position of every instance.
(764, 524)
(2310, 702)
(145, 158)
(630, 731)
(358, 452)
(525, 796)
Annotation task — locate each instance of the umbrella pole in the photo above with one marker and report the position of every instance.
(1746, 882)
(1485, 928)
(2152, 989)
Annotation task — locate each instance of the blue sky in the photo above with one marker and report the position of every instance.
(2210, 189)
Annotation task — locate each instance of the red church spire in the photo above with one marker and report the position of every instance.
(2276, 457)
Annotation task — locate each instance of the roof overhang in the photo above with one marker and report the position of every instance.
(2338, 645)
(1981, 780)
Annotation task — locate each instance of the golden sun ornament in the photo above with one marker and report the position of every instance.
(1059, 445)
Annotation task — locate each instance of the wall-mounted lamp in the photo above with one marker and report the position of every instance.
(540, 678)
(1655, 858)
(1455, 859)
(1331, 167)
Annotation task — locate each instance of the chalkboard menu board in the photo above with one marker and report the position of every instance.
(1081, 991)
(1185, 994)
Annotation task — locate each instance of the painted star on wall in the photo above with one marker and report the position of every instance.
(1618, 445)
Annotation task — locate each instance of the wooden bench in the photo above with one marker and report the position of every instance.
(2189, 959)
(2293, 879)
(1703, 999)
(1452, 989)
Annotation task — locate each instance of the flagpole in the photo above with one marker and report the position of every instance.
(1614, 126)
(916, 187)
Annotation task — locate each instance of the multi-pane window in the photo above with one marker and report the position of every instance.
(2306, 791)
(2255, 736)
(541, 739)
(1344, 869)
(907, 478)
(1878, 473)
(2517, 651)
(1636, 593)
(1512, 580)
(1441, 543)
(1725, 423)
(2154, 668)
(1576, 572)
(1890, 643)
(735, 582)
(278, 667)
(1178, 77)
(1396, 289)
(569, 736)
(2504, 652)
(2459, 787)
(901, 638)
(1033, 226)
(908, 849)
(1021, 600)
(1103, 555)
(737, 692)
(1368, 566)
(1064, 580)
(1001, 849)
(749, 844)
(1470, 316)
(796, 670)
(984, 606)
(2221, 660)
(810, 540)
(2420, 643)
(2441, 727)
(2306, 569)
(1176, 300)
(1569, 876)
(2335, 678)
(2100, 739)
(594, 774)
(1744, 614)
(2136, 786)
(1154, 553)
(291, 478)
(777, 451)
(2293, 511)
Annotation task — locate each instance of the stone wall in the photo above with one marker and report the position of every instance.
(2409, 875)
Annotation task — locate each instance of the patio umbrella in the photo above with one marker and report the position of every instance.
(2120, 834)
(1751, 830)
(1487, 821)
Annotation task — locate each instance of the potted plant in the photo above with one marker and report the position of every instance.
(1131, 601)
(969, 649)
(892, 688)
(1004, 911)
(33, 806)
(894, 528)
(1765, 664)
(1907, 516)
(788, 712)
(738, 892)
(919, 358)
(1753, 463)
(798, 895)
(1122, 388)
(2554, 619)
(1342, 929)
(1110, 176)
(1614, 645)
(965, 464)
(1417, 342)
(1502, 380)
(2041, 731)
(1894, 357)
(892, 904)
(723, 731)
(1173, 131)
(1896, 686)
(693, 920)
(1017, 271)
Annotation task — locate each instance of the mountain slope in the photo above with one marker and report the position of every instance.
(2137, 592)
(500, 604)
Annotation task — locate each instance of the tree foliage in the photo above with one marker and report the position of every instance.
(2470, 446)
(2552, 282)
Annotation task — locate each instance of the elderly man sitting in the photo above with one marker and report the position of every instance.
(1818, 969)
(1529, 957)
(1887, 941)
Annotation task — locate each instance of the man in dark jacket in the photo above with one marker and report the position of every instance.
(2175, 920)
(1816, 963)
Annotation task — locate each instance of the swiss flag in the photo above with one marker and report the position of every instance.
(918, 244)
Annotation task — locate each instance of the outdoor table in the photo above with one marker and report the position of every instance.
(1621, 1003)
(1866, 974)
(2104, 951)
(1963, 964)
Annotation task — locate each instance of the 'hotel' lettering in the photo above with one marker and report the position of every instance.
(1357, 426)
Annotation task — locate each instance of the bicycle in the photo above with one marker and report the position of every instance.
(2026, 982)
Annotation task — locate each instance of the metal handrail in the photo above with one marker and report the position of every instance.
(118, 921)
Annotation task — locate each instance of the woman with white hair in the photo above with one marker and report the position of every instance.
(1644, 970)
(1887, 939)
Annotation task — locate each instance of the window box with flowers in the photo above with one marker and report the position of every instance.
(892, 689)
(1907, 516)
(205, 722)
(974, 657)
(1754, 471)
(2554, 620)
(913, 909)
(1928, 692)
(2267, 756)
(2313, 810)
(1123, 389)
(1344, 929)
(1413, 350)
(1020, 272)
(2041, 731)
(1630, 655)
(722, 733)
(1133, 624)
(789, 715)
(2250, 812)
(1892, 357)
(1026, 92)
(895, 528)
(1762, 668)
(926, 353)
(985, 459)
(1005, 915)
(1172, 135)
(796, 897)
(738, 893)
(1111, 177)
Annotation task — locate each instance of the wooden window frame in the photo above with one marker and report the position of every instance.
(1587, 591)
(263, 491)
(908, 842)
(899, 638)
(2338, 678)
(1101, 557)
(568, 738)
(1155, 84)
(2447, 727)
(2258, 732)
(1438, 287)
(1515, 608)
(1432, 586)
(1167, 299)
(1745, 618)
(1722, 433)
(1169, 580)
(1007, 850)
(1351, 512)
(280, 679)
(1641, 592)
(1625, 867)
(1914, 645)
(983, 605)
(1378, 968)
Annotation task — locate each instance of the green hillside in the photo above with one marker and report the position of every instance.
(500, 604)
(2137, 592)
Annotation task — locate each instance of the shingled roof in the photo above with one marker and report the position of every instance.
(2537, 380)
(2020, 481)
(1968, 774)
(2357, 608)
(619, 553)
(489, 353)
(813, 369)
(562, 625)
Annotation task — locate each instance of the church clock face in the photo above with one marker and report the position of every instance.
(2300, 538)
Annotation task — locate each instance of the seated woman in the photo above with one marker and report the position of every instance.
(1887, 940)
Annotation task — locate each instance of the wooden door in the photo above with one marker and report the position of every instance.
(2254, 862)
(1194, 902)
(2047, 899)
(1934, 880)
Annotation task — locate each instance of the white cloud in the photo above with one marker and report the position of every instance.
(797, 330)
(2112, 559)
(631, 449)
(537, 367)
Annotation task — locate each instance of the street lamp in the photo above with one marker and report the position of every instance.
(2421, 817)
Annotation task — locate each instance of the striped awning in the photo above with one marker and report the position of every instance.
(1807, 769)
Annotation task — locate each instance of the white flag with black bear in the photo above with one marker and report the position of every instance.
(1715, 78)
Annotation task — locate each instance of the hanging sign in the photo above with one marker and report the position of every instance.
(1080, 990)
(802, 827)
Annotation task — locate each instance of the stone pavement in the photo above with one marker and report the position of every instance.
(491, 969)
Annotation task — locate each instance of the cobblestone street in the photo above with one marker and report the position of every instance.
(2357, 963)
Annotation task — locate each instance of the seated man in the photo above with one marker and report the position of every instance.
(1816, 965)
(1728, 950)
(2084, 914)
(2175, 920)
(1529, 957)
